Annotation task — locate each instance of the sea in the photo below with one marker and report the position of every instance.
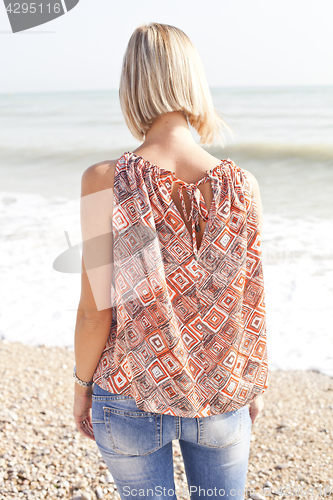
(283, 135)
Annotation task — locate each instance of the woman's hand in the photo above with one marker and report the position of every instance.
(255, 408)
(82, 410)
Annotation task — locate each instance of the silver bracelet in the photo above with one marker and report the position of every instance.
(81, 382)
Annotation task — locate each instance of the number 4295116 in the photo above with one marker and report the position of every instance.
(32, 8)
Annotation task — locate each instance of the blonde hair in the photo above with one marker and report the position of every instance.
(162, 72)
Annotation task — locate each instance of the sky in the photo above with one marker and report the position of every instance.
(241, 43)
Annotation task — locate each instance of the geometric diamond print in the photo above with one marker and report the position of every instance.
(188, 336)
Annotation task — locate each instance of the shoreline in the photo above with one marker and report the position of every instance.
(42, 455)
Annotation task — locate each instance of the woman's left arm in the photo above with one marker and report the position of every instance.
(94, 313)
(257, 405)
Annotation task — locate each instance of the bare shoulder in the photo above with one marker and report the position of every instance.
(98, 177)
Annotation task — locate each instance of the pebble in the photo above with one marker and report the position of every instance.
(42, 455)
(82, 484)
(99, 493)
(109, 478)
(257, 496)
(85, 496)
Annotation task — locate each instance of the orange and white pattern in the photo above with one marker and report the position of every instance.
(188, 335)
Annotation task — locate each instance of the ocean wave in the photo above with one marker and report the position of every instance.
(60, 155)
(243, 151)
(276, 151)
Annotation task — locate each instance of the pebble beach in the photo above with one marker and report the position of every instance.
(42, 455)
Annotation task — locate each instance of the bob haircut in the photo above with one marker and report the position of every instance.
(162, 72)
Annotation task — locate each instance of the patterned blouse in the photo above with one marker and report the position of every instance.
(188, 334)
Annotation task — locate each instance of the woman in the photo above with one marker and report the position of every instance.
(171, 320)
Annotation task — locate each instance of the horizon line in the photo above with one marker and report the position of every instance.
(212, 87)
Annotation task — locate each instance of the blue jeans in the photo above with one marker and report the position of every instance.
(137, 449)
